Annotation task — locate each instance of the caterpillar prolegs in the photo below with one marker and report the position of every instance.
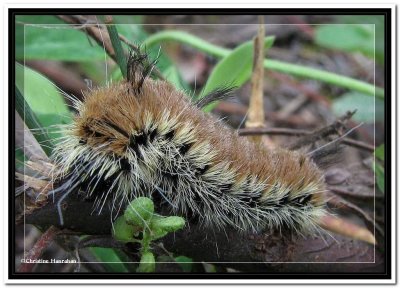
(143, 137)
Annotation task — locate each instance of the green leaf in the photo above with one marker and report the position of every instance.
(348, 37)
(234, 69)
(168, 224)
(380, 152)
(378, 22)
(61, 42)
(122, 231)
(133, 32)
(367, 110)
(157, 233)
(109, 255)
(139, 211)
(43, 98)
(173, 76)
(186, 263)
(26, 113)
(380, 177)
(95, 71)
(147, 263)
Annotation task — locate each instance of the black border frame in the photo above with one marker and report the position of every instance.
(387, 12)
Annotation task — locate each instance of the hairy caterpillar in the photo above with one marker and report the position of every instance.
(142, 137)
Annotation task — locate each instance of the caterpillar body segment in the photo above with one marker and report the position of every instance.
(142, 137)
(124, 146)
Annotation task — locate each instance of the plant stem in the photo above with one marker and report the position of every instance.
(116, 43)
(186, 38)
(293, 69)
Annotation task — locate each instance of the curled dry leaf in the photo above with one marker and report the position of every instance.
(38, 185)
(343, 227)
(43, 167)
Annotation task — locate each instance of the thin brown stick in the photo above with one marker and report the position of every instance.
(298, 132)
(346, 193)
(359, 144)
(272, 131)
(256, 108)
(336, 128)
(38, 249)
(101, 38)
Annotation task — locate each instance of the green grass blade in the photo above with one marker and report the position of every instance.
(26, 113)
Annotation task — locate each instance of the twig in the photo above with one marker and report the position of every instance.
(256, 107)
(335, 128)
(340, 138)
(92, 31)
(199, 243)
(359, 144)
(272, 131)
(38, 249)
(298, 132)
(346, 193)
(241, 110)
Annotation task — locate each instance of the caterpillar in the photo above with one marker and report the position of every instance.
(143, 137)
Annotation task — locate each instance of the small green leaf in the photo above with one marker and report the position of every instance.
(157, 233)
(147, 263)
(186, 263)
(234, 69)
(107, 255)
(378, 24)
(122, 231)
(348, 37)
(380, 177)
(367, 110)
(139, 211)
(380, 152)
(168, 224)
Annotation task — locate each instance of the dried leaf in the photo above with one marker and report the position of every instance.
(346, 228)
